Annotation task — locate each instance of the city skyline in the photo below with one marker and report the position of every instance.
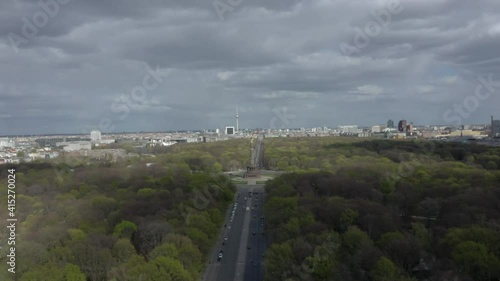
(186, 66)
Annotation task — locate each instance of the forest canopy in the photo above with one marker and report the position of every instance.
(382, 210)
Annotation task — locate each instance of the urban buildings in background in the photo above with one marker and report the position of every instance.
(109, 146)
(402, 126)
(390, 124)
(495, 128)
(229, 130)
(95, 136)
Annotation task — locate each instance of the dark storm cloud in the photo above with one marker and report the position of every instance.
(85, 62)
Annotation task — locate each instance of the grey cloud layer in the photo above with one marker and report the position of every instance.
(263, 55)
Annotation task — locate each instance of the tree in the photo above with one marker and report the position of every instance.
(347, 217)
(172, 267)
(323, 267)
(200, 238)
(104, 205)
(94, 262)
(150, 235)
(217, 167)
(403, 249)
(385, 270)
(476, 260)
(46, 272)
(125, 229)
(73, 273)
(429, 208)
(278, 261)
(146, 193)
(187, 253)
(164, 250)
(422, 235)
(353, 239)
(491, 165)
(482, 235)
(123, 250)
(77, 234)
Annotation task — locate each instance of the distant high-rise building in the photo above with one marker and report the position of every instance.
(95, 136)
(390, 124)
(409, 128)
(402, 126)
(229, 130)
(237, 121)
(495, 128)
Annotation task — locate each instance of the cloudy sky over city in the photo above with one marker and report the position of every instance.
(69, 66)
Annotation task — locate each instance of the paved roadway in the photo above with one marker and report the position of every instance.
(238, 262)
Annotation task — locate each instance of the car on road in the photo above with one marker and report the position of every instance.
(225, 238)
(248, 247)
(219, 257)
(253, 233)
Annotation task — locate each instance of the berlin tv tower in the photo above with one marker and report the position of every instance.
(237, 124)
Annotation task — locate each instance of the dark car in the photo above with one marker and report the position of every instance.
(248, 247)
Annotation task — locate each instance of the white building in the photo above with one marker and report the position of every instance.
(388, 130)
(378, 128)
(76, 146)
(107, 141)
(352, 129)
(95, 136)
(5, 142)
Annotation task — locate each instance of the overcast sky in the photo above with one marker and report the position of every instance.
(81, 65)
